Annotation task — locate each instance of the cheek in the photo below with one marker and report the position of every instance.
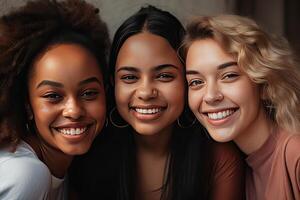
(97, 109)
(244, 93)
(123, 93)
(174, 93)
(44, 115)
(194, 99)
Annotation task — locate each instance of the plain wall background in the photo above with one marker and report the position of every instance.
(279, 17)
(116, 11)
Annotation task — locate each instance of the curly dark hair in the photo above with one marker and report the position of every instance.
(30, 31)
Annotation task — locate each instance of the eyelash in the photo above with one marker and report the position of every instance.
(165, 77)
(87, 95)
(230, 76)
(90, 94)
(128, 77)
(195, 83)
(52, 97)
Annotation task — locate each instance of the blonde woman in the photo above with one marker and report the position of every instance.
(244, 86)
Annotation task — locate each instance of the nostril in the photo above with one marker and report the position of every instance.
(73, 112)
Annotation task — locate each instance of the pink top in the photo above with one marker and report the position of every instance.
(274, 169)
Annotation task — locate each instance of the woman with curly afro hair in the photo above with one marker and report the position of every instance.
(53, 56)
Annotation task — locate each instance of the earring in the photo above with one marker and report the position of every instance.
(106, 122)
(29, 112)
(27, 127)
(154, 92)
(113, 123)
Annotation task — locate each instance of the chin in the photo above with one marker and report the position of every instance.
(76, 151)
(221, 135)
(146, 131)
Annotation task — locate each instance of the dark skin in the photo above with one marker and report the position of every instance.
(67, 100)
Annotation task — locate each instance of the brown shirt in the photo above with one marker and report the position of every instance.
(274, 169)
(227, 181)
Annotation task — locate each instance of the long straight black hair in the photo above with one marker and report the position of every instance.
(188, 168)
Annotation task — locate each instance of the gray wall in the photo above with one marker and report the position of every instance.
(116, 11)
(268, 13)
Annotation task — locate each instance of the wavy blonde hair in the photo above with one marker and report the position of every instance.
(266, 59)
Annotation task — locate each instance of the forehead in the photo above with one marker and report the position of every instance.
(146, 50)
(206, 53)
(65, 61)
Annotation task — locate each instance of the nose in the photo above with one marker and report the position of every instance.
(213, 94)
(73, 109)
(146, 91)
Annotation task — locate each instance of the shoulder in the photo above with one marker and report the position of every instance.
(227, 172)
(292, 144)
(291, 148)
(225, 152)
(226, 160)
(23, 174)
(290, 151)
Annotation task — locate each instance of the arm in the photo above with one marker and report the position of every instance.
(24, 178)
(228, 175)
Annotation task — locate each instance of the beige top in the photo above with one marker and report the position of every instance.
(274, 169)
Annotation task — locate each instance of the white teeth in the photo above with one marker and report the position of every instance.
(72, 131)
(148, 111)
(220, 115)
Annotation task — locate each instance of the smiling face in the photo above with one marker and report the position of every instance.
(149, 83)
(66, 95)
(222, 97)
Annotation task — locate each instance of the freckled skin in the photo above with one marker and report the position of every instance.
(217, 89)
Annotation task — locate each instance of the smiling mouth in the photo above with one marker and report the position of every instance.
(72, 131)
(148, 111)
(221, 114)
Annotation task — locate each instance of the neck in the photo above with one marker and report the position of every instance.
(57, 161)
(157, 144)
(256, 134)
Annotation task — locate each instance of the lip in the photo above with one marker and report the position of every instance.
(147, 106)
(223, 121)
(72, 125)
(151, 112)
(77, 126)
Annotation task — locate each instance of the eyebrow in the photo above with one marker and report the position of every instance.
(50, 83)
(157, 68)
(227, 64)
(219, 67)
(60, 85)
(90, 80)
(164, 66)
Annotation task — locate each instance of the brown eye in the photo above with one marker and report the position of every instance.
(230, 76)
(196, 83)
(129, 78)
(52, 97)
(165, 77)
(90, 94)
